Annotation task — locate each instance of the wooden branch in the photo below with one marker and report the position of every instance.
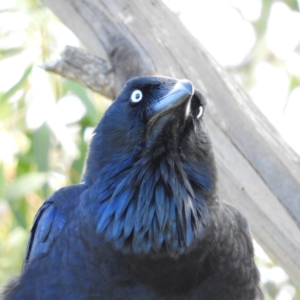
(90, 70)
(258, 172)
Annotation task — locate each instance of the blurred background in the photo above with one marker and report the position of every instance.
(46, 121)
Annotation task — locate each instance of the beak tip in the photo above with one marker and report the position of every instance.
(188, 86)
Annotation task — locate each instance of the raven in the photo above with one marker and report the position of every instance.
(146, 222)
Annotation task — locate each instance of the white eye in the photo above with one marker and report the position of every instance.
(136, 96)
(200, 112)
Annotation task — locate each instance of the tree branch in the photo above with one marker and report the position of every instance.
(90, 70)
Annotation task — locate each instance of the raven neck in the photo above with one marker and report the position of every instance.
(150, 206)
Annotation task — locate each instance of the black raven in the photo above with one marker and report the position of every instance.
(146, 222)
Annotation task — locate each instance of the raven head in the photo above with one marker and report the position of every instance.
(151, 168)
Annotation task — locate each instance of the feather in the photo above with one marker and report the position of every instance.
(166, 212)
(137, 246)
(109, 236)
(172, 228)
(103, 223)
(49, 216)
(189, 235)
(119, 242)
(157, 238)
(149, 189)
(122, 198)
(148, 217)
(118, 226)
(164, 171)
(106, 215)
(146, 244)
(144, 199)
(160, 204)
(130, 219)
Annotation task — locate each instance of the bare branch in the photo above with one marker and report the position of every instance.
(90, 70)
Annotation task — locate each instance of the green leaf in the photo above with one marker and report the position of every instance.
(18, 85)
(293, 4)
(2, 181)
(19, 209)
(41, 146)
(80, 91)
(10, 51)
(24, 185)
(78, 164)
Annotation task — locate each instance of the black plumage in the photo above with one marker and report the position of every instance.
(146, 223)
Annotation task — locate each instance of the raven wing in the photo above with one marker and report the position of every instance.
(50, 220)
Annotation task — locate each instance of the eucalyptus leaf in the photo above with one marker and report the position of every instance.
(18, 85)
(41, 146)
(10, 51)
(80, 91)
(24, 185)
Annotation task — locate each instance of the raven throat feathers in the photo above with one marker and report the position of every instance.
(147, 207)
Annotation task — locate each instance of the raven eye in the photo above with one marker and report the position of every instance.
(136, 96)
(200, 112)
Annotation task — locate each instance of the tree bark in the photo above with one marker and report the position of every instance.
(258, 172)
(90, 70)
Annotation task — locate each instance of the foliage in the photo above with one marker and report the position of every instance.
(40, 151)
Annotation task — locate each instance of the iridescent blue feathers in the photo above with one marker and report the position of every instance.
(145, 207)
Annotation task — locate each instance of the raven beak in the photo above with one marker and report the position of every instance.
(179, 96)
